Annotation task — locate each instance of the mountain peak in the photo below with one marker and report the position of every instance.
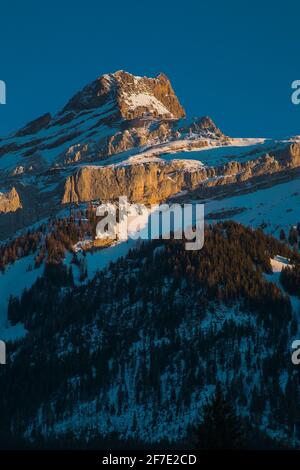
(131, 96)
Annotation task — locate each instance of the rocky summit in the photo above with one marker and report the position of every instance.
(133, 97)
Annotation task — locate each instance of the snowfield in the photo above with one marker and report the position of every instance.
(202, 151)
(146, 100)
(274, 208)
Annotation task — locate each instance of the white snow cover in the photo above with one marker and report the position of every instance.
(143, 99)
(13, 281)
(245, 141)
(276, 207)
(208, 152)
(82, 244)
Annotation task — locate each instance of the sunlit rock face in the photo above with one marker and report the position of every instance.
(10, 201)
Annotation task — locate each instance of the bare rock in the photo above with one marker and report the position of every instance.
(10, 201)
(132, 96)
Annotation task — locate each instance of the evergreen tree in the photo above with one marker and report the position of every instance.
(221, 427)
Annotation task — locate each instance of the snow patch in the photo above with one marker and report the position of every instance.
(278, 263)
(146, 100)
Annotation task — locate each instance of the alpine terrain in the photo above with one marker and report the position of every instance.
(130, 342)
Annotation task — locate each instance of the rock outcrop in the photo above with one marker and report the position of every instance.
(155, 181)
(147, 182)
(289, 155)
(10, 201)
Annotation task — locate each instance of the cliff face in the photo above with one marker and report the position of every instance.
(155, 181)
(10, 201)
(149, 182)
(290, 155)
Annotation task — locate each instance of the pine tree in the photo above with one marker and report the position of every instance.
(221, 427)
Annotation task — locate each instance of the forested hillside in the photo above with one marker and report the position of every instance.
(137, 352)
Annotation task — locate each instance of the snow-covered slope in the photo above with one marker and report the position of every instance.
(274, 208)
(138, 350)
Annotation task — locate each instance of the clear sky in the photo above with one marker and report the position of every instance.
(232, 60)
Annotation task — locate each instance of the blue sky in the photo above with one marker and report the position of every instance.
(234, 61)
